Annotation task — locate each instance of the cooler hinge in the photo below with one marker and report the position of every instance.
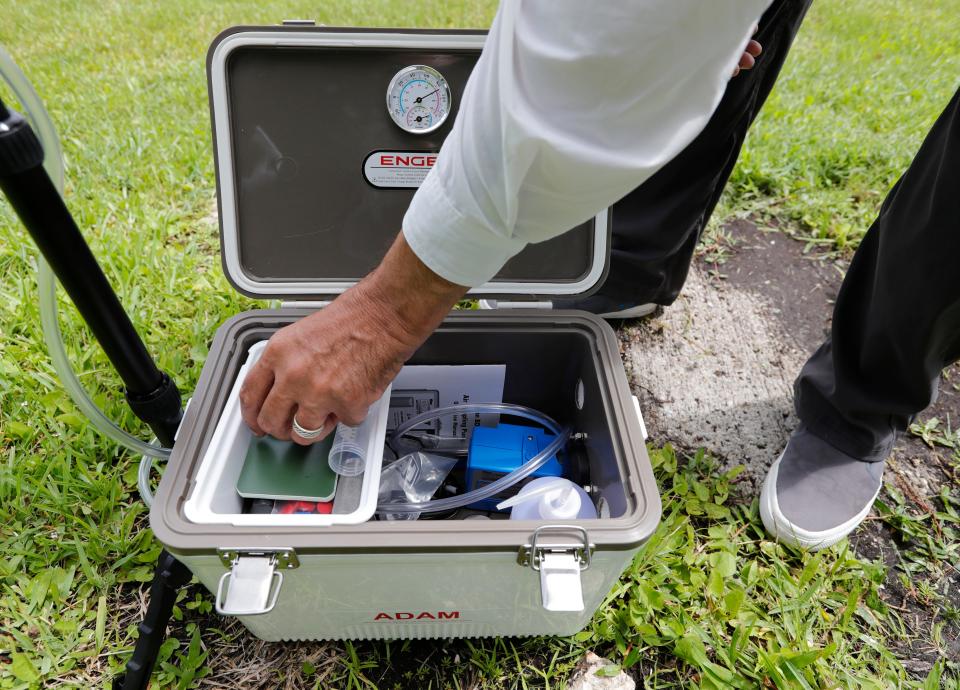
(304, 304)
(252, 584)
(483, 303)
(559, 564)
(518, 304)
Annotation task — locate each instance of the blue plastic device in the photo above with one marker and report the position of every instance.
(496, 451)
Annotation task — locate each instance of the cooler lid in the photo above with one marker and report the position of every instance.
(300, 130)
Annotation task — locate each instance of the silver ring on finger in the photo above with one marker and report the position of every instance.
(305, 433)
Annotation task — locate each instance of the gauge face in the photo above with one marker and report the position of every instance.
(418, 99)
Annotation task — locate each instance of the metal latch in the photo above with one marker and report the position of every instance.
(559, 565)
(252, 585)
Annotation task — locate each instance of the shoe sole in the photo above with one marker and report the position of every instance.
(783, 530)
(636, 312)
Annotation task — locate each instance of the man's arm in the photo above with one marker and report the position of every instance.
(332, 365)
(571, 105)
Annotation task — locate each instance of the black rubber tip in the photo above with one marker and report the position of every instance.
(20, 149)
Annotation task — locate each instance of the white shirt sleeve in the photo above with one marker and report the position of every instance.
(571, 106)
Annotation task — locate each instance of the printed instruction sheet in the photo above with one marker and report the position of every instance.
(419, 388)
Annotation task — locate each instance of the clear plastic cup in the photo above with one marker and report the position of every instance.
(346, 454)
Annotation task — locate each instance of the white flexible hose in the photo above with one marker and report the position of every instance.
(39, 119)
(495, 487)
(143, 480)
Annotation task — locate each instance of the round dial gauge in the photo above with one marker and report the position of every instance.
(418, 99)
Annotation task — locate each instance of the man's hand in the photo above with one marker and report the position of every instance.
(332, 365)
(750, 54)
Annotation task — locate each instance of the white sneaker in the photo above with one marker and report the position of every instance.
(815, 495)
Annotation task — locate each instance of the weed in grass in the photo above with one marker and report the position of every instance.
(354, 668)
(181, 668)
(935, 433)
(928, 549)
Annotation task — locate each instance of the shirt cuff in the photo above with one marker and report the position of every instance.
(453, 246)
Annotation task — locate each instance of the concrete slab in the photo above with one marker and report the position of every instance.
(714, 370)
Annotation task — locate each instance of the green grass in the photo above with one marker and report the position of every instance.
(710, 603)
(743, 611)
(863, 84)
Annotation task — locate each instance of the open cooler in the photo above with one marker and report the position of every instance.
(298, 113)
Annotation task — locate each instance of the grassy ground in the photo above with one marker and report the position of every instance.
(860, 90)
(709, 603)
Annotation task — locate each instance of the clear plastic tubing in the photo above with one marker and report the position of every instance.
(39, 119)
(346, 456)
(495, 487)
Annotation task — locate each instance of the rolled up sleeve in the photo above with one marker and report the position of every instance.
(458, 248)
(570, 107)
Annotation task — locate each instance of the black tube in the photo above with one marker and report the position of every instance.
(42, 210)
(46, 217)
(151, 393)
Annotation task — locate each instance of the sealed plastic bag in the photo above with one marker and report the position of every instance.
(414, 478)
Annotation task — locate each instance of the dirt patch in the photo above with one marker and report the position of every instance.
(878, 542)
(716, 369)
(922, 597)
(797, 287)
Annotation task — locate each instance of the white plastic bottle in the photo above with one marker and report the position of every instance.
(550, 498)
(346, 456)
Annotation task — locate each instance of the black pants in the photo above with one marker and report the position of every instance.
(657, 226)
(896, 323)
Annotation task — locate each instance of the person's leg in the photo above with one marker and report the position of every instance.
(657, 226)
(896, 325)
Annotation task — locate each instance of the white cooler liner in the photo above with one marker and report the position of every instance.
(214, 499)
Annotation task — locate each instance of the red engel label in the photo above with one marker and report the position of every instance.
(398, 169)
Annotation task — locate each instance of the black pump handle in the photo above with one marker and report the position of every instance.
(151, 393)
